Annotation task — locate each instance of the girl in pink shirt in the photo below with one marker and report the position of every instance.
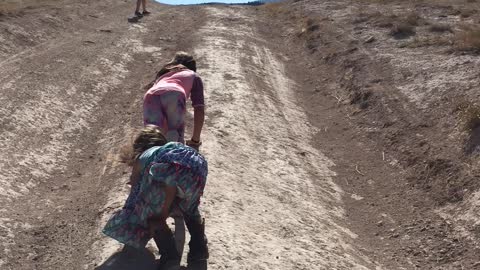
(164, 104)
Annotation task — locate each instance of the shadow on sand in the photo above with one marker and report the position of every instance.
(135, 259)
(130, 259)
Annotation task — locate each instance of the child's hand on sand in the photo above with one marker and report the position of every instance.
(194, 144)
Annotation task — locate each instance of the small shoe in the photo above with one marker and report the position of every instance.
(198, 252)
(138, 14)
(133, 19)
(168, 264)
(169, 257)
(146, 13)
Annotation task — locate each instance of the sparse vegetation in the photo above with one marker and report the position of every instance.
(440, 28)
(275, 8)
(413, 19)
(468, 39)
(306, 27)
(7, 8)
(309, 25)
(469, 115)
(384, 21)
(402, 30)
(400, 26)
(309, 32)
(466, 13)
(13, 7)
(427, 41)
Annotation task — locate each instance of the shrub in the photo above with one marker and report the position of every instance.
(413, 19)
(275, 8)
(384, 21)
(472, 117)
(15, 7)
(468, 39)
(440, 28)
(466, 13)
(400, 27)
(310, 25)
(402, 30)
(469, 115)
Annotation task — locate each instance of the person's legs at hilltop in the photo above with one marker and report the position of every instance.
(145, 11)
(137, 8)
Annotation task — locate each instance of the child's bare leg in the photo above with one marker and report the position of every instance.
(162, 234)
(166, 246)
(198, 240)
(137, 9)
(144, 3)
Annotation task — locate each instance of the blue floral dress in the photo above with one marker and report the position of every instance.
(173, 164)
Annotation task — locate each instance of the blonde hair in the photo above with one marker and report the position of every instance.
(148, 137)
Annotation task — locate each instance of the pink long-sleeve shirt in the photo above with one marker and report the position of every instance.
(185, 81)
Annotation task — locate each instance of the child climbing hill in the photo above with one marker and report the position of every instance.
(165, 176)
(164, 103)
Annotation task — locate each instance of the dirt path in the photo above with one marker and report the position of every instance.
(270, 201)
(274, 199)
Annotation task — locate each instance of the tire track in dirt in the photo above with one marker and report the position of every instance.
(270, 201)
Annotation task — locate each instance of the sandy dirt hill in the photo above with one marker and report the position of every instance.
(336, 138)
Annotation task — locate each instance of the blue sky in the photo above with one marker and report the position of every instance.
(186, 2)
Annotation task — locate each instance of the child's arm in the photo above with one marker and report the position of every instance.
(135, 176)
(198, 103)
(198, 120)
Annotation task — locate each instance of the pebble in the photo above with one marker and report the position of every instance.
(370, 39)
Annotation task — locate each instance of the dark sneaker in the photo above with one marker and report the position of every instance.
(170, 259)
(168, 264)
(146, 13)
(138, 14)
(198, 251)
(133, 19)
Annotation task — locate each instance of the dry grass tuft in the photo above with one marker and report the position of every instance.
(275, 8)
(440, 28)
(309, 32)
(413, 19)
(469, 115)
(427, 41)
(304, 27)
(309, 25)
(8, 8)
(400, 26)
(472, 118)
(384, 21)
(468, 39)
(402, 30)
(467, 13)
(14, 7)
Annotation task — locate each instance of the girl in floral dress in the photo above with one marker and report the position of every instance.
(165, 175)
